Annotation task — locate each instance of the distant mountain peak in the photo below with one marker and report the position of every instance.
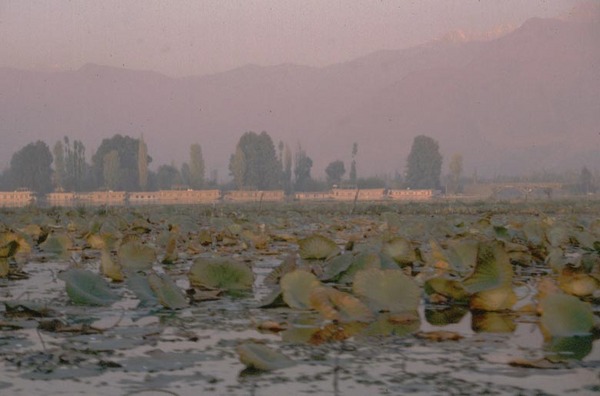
(587, 11)
(462, 35)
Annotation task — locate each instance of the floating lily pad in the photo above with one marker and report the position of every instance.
(135, 256)
(399, 249)
(493, 269)
(140, 286)
(109, 268)
(220, 273)
(260, 357)
(339, 306)
(297, 286)
(317, 247)
(387, 290)
(565, 316)
(168, 293)
(87, 288)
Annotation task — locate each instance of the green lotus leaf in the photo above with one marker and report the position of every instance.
(462, 254)
(557, 235)
(560, 349)
(534, 231)
(493, 269)
(87, 288)
(387, 290)
(366, 260)
(287, 265)
(339, 306)
(220, 273)
(296, 287)
(168, 293)
(565, 316)
(333, 268)
(135, 256)
(445, 316)
(57, 245)
(260, 357)
(317, 247)
(449, 288)
(399, 249)
(140, 286)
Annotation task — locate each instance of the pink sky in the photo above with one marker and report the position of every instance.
(180, 38)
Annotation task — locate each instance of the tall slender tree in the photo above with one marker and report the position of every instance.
(352, 174)
(60, 170)
(111, 168)
(302, 166)
(142, 164)
(196, 167)
(262, 169)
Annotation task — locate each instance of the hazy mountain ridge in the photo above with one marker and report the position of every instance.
(534, 92)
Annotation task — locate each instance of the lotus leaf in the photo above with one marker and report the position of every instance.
(221, 273)
(260, 357)
(57, 245)
(448, 288)
(445, 316)
(493, 322)
(140, 286)
(577, 283)
(534, 231)
(296, 287)
(317, 247)
(400, 250)
(135, 256)
(568, 348)
(387, 290)
(4, 267)
(462, 254)
(493, 269)
(168, 293)
(339, 306)
(273, 299)
(557, 235)
(287, 265)
(565, 316)
(171, 250)
(334, 267)
(87, 288)
(387, 324)
(109, 268)
(336, 332)
(498, 299)
(367, 260)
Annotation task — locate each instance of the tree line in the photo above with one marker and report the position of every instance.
(122, 163)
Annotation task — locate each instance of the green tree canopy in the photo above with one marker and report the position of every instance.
(335, 171)
(128, 149)
(302, 166)
(167, 176)
(424, 164)
(30, 168)
(255, 163)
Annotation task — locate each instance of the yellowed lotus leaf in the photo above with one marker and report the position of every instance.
(448, 288)
(171, 250)
(135, 256)
(387, 290)
(493, 322)
(167, 292)
(336, 332)
(4, 267)
(339, 306)
(109, 268)
(296, 287)
(221, 273)
(498, 299)
(577, 283)
(317, 247)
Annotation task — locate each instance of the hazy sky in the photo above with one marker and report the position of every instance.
(206, 36)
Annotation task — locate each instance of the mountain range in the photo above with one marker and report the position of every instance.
(528, 101)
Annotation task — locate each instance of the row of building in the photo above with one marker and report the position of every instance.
(22, 198)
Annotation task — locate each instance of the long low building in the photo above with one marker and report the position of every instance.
(254, 196)
(372, 194)
(17, 198)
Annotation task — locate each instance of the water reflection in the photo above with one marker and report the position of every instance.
(493, 322)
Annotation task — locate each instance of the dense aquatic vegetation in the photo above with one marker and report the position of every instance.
(336, 273)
